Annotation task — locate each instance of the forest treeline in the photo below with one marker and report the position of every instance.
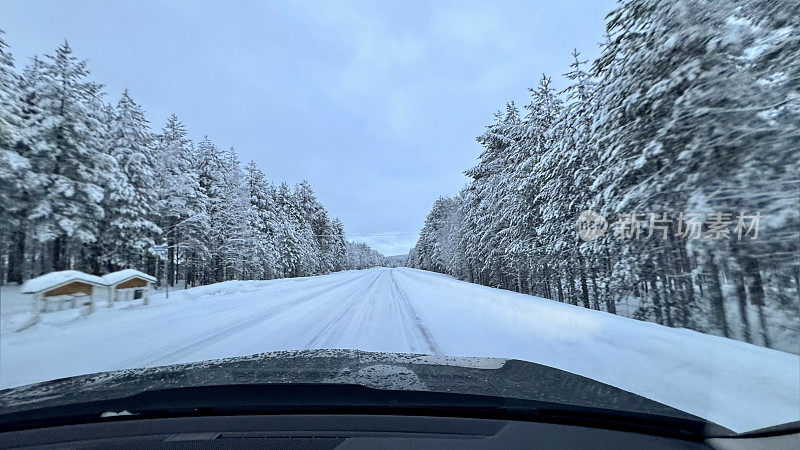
(684, 135)
(88, 185)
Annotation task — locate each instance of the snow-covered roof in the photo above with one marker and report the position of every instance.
(55, 279)
(118, 277)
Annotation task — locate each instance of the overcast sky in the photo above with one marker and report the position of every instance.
(376, 104)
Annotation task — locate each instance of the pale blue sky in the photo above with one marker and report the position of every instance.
(376, 104)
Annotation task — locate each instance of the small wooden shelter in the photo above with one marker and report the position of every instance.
(128, 284)
(66, 285)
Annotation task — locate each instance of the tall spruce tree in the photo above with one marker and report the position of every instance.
(68, 212)
(131, 192)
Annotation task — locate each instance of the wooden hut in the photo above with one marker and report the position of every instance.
(128, 284)
(74, 286)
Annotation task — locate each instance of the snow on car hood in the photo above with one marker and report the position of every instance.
(483, 376)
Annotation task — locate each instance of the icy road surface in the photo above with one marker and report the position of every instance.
(737, 385)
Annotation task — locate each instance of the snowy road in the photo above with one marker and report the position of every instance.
(355, 312)
(738, 385)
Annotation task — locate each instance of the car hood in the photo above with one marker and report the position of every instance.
(468, 375)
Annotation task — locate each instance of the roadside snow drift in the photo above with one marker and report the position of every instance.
(734, 384)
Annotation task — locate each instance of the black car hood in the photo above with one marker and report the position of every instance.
(468, 375)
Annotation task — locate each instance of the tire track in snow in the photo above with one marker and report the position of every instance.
(409, 311)
(336, 321)
(201, 339)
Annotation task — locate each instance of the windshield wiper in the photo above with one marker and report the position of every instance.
(295, 398)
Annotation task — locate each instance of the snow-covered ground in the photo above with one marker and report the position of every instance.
(737, 385)
(12, 302)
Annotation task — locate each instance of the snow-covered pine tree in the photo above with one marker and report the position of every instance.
(484, 218)
(182, 205)
(531, 176)
(558, 186)
(362, 256)
(15, 169)
(228, 212)
(316, 220)
(574, 173)
(338, 245)
(238, 239)
(288, 240)
(439, 244)
(89, 187)
(209, 168)
(684, 103)
(67, 214)
(263, 220)
(131, 193)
